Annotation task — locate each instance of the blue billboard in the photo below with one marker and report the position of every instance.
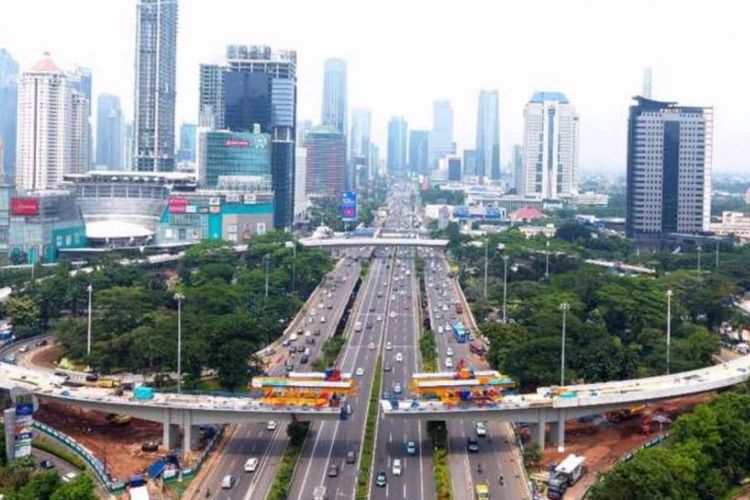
(349, 206)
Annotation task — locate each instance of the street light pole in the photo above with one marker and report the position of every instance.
(717, 256)
(505, 289)
(564, 307)
(700, 249)
(294, 263)
(486, 258)
(267, 259)
(546, 266)
(669, 325)
(179, 298)
(90, 289)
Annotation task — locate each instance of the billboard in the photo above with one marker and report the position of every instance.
(23, 429)
(177, 205)
(24, 206)
(349, 206)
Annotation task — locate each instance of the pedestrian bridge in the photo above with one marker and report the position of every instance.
(382, 241)
(555, 405)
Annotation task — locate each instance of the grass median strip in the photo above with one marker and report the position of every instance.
(440, 470)
(365, 462)
(297, 432)
(428, 349)
(58, 451)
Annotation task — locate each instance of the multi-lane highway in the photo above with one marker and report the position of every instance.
(496, 457)
(246, 441)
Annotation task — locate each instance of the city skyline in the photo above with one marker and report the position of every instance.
(601, 96)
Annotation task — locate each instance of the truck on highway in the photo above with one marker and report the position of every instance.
(143, 393)
(320, 493)
(482, 491)
(566, 474)
(459, 332)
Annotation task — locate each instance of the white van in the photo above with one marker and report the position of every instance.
(358, 326)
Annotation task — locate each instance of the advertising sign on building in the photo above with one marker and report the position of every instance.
(24, 206)
(23, 429)
(349, 206)
(177, 205)
(215, 202)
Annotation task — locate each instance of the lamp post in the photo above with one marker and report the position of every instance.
(293, 245)
(505, 289)
(486, 259)
(700, 249)
(717, 256)
(546, 265)
(669, 325)
(90, 289)
(179, 298)
(267, 258)
(564, 307)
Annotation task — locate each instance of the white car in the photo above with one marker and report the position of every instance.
(69, 477)
(481, 429)
(271, 425)
(440, 329)
(227, 482)
(399, 357)
(397, 388)
(360, 371)
(371, 346)
(449, 352)
(388, 346)
(448, 363)
(396, 468)
(392, 315)
(380, 317)
(251, 465)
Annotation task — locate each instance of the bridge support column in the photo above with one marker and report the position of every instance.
(559, 434)
(189, 433)
(170, 435)
(538, 430)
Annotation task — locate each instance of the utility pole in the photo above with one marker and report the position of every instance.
(669, 325)
(486, 258)
(505, 289)
(564, 307)
(179, 298)
(90, 289)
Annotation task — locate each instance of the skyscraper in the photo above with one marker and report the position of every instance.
(80, 133)
(518, 168)
(128, 145)
(441, 136)
(80, 80)
(8, 110)
(326, 161)
(418, 151)
(334, 110)
(647, 76)
(109, 132)
(188, 138)
(300, 184)
(222, 153)
(470, 162)
(257, 85)
(359, 140)
(155, 84)
(670, 150)
(49, 111)
(488, 136)
(550, 146)
(396, 144)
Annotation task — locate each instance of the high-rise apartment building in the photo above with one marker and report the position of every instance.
(419, 141)
(326, 161)
(8, 110)
(257, 85)
(550, 146)
(670, 150)
(128, 145)
(50, 127)
(334, 111)
(647, 82)
(80, 134)
(488, 135)
(441, 136)
(109, 132)
(80, 79)
(396, 159)
(518, 168)
(155, 85)
(470, 162)
(359, 139)
(300, 184)
(188, 138)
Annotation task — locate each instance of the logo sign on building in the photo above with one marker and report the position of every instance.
(236, 143)
(250, 199)
(177, 205)
(349, 206)
(215, 202)
(24, 206)
(24, 426)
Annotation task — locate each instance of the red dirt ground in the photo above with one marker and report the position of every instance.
(119, 447)
(604, 444)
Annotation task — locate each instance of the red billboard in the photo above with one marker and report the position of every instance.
(236, 143)
(177, 205)
(24, 206)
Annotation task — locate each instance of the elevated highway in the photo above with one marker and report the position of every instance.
(383, 241)
(555, 405)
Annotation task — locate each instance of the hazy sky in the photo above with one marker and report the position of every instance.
(403, 54)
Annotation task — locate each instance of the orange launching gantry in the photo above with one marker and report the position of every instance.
(306, 389)
(463, 385)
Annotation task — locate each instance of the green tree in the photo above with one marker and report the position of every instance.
(80, 488)
(24, 314)
(40, 487)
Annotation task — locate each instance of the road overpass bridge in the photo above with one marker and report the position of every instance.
(555, 405)
(382, 241)
(172, 410)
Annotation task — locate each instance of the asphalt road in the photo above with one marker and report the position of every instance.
(329, 442)
(254, 439)
(416, 478)
(496, 455)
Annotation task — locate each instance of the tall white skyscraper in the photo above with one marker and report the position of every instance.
(52, 127)
(441, 135)
(550, 151)
(334, 108)
(670, 152)
(359, 142)
(647, 76)
(487, 162)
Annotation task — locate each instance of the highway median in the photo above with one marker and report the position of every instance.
(368, 446)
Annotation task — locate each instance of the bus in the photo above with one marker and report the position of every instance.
(459, 333)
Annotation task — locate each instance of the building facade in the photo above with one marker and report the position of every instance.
(441, 136)
(80, 79)
(488, 135)
(550, 146)
(334, 109)
(326, 162)
(670, 150)
(419, 144)
(225, 153)
(300, 184)
(155, 85)
(518, 168)
(257, 85)
(453, 167)
(109, 132)
(470, 162)
(359, 138)
(397, 130)
(8, 111)
(188, 138)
